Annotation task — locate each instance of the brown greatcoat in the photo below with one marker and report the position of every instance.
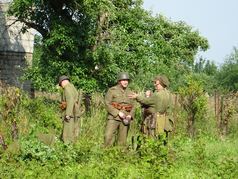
(71, 97)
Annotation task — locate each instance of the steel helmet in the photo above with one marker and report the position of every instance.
(123, 76)
(62, 78)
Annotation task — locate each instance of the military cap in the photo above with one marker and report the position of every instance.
(62, 78)
(162, 79)
(123, 76)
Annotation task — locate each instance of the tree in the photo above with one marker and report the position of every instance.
(228, 75)
(205, 66)
(93, 40)
(207, 71)
(193, 100)
(199, 65)
(210, 68)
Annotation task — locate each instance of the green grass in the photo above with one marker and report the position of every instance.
(205, 156)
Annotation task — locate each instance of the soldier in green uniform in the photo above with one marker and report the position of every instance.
(120, 111)
(71, 110)
(158, 108)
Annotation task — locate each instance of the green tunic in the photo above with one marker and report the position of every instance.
(118, 95)
(70, 128)
(159, 103)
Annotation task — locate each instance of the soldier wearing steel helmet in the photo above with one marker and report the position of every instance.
(71, 110)
(120, 111)
(158, 118)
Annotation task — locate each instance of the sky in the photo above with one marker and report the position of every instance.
(214, 19)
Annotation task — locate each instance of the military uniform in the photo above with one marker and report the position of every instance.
(117, 100)
(70, 96)
(157, 110)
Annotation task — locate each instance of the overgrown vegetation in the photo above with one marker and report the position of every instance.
(91, 41)
(38, 151)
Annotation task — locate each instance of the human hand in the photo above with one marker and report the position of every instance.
(148, 93)
(63, 105)
(122, 115)
(127, 120)
(133, 95)
(67, 118)
(128, 117)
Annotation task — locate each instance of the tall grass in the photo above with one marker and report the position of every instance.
(204, 156)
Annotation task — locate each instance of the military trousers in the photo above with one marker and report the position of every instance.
(115, 129)
(71, 130)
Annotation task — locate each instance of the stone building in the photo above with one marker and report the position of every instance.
(16, 49)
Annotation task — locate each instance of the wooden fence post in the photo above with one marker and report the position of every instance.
(2, 142)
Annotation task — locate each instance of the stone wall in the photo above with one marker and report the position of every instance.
(16, 49)
(12, 65)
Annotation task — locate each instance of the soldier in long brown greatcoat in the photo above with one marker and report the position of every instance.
(70, 106)
(120, 111)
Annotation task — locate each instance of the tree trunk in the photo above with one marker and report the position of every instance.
(101, 32)
(221, 123)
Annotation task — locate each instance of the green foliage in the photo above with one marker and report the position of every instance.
(193, 97)
(210, 68)
(207, 71)
(193, 100)
(227, 76)
(203, 157)
(228, 168)
(154, 155)
(42, 112)
(205, 66)
(10, 111)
